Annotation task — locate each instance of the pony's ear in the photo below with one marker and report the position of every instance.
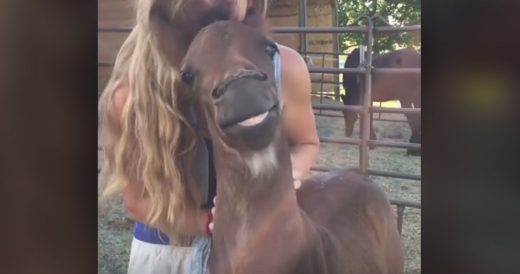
(256, 20)
(170, 41)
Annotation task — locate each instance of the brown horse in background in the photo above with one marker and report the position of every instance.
(386, 87)
(340, 222)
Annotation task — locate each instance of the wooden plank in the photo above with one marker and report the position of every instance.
(290, 40)
(283, 8)
(332, 3)
(116, 13)
(109, 44)
(103, 76)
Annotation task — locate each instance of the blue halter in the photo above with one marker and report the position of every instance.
(277, 77)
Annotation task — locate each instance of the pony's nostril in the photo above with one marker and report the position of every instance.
(237, 79)
(258, 75)
(217, 93)
(263, 76)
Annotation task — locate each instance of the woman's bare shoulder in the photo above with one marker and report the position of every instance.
(291, 59)
(295, 76)
(116, 103)
(119, 95)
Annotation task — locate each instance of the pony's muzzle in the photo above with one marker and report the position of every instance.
(243, 96)
(219, 91)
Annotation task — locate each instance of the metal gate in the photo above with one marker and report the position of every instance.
(366, 109)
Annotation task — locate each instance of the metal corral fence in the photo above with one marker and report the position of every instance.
(364, 110)
(321, 57)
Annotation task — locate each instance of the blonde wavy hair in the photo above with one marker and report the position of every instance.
(156, 144)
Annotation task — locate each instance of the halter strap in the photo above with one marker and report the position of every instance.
(277, 77)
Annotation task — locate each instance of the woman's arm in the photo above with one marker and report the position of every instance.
(134, 198)
(298, 117)
(138, 206)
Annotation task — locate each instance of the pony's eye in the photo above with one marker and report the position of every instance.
(187, 77)
(271, 49)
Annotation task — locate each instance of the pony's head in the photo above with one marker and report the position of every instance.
(229, 73)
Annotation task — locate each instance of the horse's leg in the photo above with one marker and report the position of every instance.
(414, 120)
(349, 117)
(372, 132)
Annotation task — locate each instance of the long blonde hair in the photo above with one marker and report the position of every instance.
(155, 147)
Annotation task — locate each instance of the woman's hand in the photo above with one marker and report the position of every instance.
(297, 177)
(296, 173)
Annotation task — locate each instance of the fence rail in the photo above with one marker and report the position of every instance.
(366, 109)
(351, 29)
(374, 119)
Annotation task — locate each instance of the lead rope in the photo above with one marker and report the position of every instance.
(277, 77)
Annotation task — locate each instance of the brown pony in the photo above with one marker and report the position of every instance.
(340, 222)
(385, 87)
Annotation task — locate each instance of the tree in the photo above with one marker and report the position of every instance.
(396, 12)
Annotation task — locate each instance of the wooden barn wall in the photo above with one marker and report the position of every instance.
(120, 13)
(284, 13)
(320, 14)
(112, 14)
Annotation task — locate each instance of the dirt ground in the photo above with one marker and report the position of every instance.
(115, 230)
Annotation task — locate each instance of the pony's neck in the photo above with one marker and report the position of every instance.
(250, 186)
(258, 223)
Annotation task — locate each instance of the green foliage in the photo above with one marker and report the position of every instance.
(396, 12)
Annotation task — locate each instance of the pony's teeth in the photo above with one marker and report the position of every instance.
(254, 120)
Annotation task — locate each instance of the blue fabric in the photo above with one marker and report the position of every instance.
(151, 235)
(201, 247)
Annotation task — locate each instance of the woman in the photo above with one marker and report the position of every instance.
(148, 141)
